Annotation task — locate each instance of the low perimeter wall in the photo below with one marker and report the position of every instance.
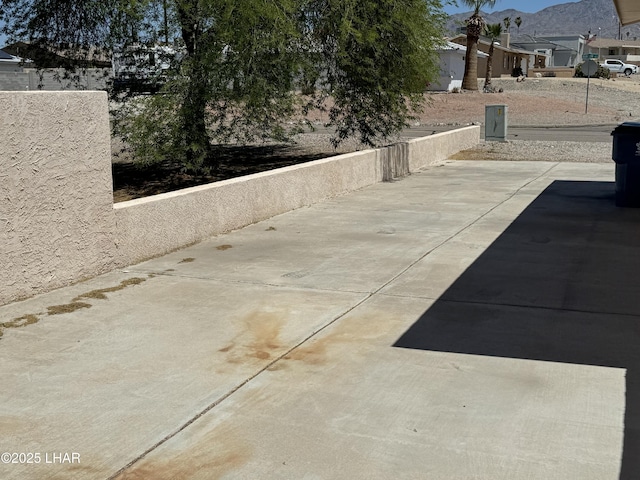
(58, 223)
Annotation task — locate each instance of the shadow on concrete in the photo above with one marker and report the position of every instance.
(560, 284)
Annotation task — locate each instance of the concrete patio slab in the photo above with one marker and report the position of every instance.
(347, 406)
(475, 320)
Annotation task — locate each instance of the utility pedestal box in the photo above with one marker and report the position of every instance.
(495, 123)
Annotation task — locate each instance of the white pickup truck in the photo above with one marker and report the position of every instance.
(618, 66)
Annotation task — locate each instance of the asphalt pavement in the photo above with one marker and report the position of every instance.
(474, 320)
(570, 133)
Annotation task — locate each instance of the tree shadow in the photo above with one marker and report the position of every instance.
(131, 180)
(560, 284)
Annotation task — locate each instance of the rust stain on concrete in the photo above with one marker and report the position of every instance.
(276, 367)
(315, 353)
(228, 348)
(211, 457)
(265, 329)
(259, 338)
(352, 329)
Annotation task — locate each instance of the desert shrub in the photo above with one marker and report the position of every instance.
(601, 72)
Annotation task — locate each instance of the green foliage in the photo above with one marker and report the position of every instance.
(518, 22)
(378, 57)
(75, 27)
(601, 72)
(239, 65)
(475, 26)
(493, 31)
(477, 5)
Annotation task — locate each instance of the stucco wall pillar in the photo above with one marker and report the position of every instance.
(56, 203)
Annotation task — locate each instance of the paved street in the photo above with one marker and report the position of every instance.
(569, 133)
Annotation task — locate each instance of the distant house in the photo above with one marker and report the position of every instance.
(571, 54)
(9, 63)
(452, 57)
(40, 68)
(626, 50)
(44, 57)
(141, 67)
(557, 50)
(506, 58)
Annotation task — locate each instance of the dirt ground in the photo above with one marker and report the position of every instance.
(544, 101)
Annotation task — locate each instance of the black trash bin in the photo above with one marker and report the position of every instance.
(626, 154)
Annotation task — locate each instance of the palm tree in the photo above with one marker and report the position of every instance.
(507, 22)
(475, 25)
(518, 23)
(493, 32)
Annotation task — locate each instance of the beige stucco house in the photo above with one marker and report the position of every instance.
(505, 57)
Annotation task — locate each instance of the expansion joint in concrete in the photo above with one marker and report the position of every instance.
(238, 387)
(463, 229)
(537, 307)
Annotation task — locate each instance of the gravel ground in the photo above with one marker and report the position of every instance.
(514, 150)
(545, 102)
(534, 102)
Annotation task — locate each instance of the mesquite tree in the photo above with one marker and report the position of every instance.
(244, 69)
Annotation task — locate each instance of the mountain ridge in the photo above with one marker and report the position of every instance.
(597, 17)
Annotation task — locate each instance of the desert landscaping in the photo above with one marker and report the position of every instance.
(533, 102)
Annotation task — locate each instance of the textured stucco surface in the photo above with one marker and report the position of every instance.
(56, 215)
(435, 148)
(58, 223)
(156, 225)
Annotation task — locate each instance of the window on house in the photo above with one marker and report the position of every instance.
(612, 51)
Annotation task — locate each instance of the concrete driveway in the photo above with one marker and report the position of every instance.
(478, 320)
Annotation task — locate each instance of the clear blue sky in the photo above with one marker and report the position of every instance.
(522, 5)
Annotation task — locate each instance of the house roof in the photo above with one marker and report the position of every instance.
(612, 42)
(7, 58)
(456, 46)
(540, 42)
(520, 51)
(628, 11)
(52, 57)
